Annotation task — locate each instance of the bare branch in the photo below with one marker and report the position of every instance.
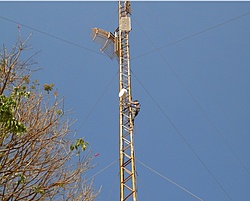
(38, 163)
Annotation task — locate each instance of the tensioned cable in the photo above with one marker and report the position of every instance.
(90, 112)
(102, 54)
(169, 180)
(50, 35)
(192, 35)
(135, 57)
(112, 188)
(102, 170)
(174, 183)
(198, 105)
(169, 44)
(182, 137)
(218, 103)
(66, 41)
(232, 123)
(139, 180)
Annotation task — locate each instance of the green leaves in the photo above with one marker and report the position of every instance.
(20, 92)
(7, 119)
(48, 87)
(7, 106)
(59, 112)
(21, 178)
(38, 189)
(14, 126)
(79, 143)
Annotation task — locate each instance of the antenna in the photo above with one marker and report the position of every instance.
(117, 46)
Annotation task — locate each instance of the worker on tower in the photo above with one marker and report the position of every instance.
(135, 108)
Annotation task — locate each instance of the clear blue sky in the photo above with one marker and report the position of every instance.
(190, 70)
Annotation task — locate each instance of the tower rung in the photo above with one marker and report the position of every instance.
(128, 195)
(126, 141)
(128, 171)
(126, 147)
(125, 135)
(128, 188)
(125, 75)
(127, 155)
(126, 163)
(126, 128)
(129, 177)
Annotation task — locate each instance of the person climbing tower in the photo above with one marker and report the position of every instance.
(135, 106)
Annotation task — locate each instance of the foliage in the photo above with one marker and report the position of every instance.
(37, 158)
(79, 143)
(48, 87)
(7, 108)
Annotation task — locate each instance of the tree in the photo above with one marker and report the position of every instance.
(38, 159)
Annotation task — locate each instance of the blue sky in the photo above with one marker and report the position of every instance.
(190, 66)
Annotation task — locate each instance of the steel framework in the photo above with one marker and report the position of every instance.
(117, 46)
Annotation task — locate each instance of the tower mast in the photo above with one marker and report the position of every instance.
(117, 46)
(127, 160)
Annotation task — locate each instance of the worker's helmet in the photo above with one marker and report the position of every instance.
(136, 101)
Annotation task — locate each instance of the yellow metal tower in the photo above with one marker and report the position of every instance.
(117, 46)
